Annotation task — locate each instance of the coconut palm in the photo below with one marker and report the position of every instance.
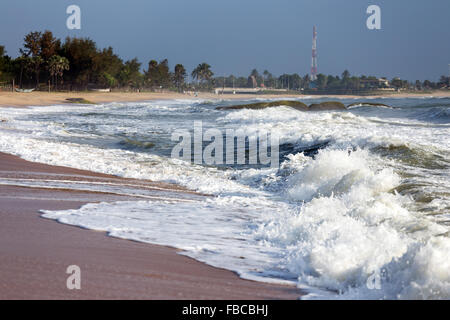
(202, 73)
(56, 66)
(179, 76)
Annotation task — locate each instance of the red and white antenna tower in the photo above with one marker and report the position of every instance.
(314, 56)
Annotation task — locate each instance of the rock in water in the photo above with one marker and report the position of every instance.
(328, 105)
(79, 100)
(263, 105)
(297, 105)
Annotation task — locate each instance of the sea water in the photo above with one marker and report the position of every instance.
(372, 206)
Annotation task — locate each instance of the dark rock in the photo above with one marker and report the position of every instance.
(79, 100)
(328, 105)
(263, 105)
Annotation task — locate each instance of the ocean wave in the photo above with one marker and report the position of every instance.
(352, 224)
(346, 223)
(442, 114)
(371, 200)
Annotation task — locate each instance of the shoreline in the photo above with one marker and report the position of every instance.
(35, 252)
(14, 99)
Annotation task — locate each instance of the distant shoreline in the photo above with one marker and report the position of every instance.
(14, 99)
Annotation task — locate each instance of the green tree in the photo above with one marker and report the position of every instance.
(2, 63)
(321, 81)
(334, 83)
(130, 74)
(48, 46)
(40, 47)
(179, 76)
(151, 73)
(202, 73)
(22, 64)
(32, 49)
(81, 53)
(106, 68)
(397, 83)
(107, 80)
(158, 74)
(164, 76)
(35, 65)
(31, 45)
(345, 75)
(56, 66)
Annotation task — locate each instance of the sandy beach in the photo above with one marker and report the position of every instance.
(14, 99)
(35, 252)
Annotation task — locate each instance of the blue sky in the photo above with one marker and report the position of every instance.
(237, 36)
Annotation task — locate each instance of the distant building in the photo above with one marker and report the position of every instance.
(375, 83)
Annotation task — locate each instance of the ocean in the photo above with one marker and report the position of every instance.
(366, 215)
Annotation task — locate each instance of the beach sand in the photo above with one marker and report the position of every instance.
(15, 99)
(35, 252)
(12, 99)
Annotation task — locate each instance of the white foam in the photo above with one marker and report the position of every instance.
(354, 226)
(334, 242)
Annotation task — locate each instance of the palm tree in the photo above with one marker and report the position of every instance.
(179, 75)
(345, 75)
(151, 73)
(202, 73)
(56, 66)
(322, 81)
(35, 65)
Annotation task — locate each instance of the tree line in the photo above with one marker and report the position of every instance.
(345, 83)
(78, 64)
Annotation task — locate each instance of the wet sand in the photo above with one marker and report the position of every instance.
(16, 99)
(35, 252)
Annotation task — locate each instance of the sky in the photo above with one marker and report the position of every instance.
(236, 36)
